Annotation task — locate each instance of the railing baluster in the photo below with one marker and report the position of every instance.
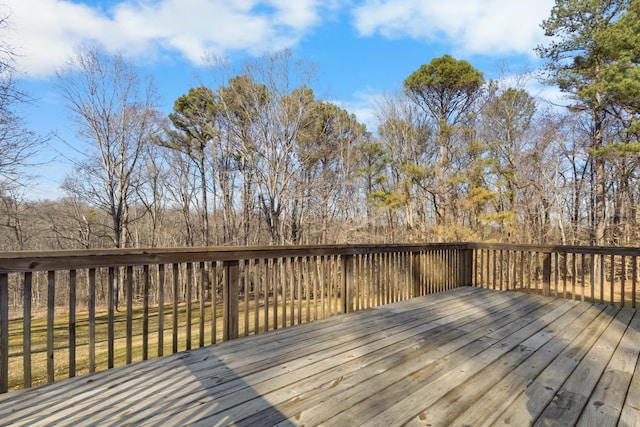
(395, 280)
(601, 279)
(366, 281)
(383, 280)
(307, 286)
(442, 271)
(335, 284)
(264, 280)
(377, 277)
(501, 270)
(592, 264)
(298, 275)
(111, 286)
(160, 310)
(348, 282)
(423, 272)
(562, 274)
(129, 290)
(422, 267)
(201, 290)
(145, 312)
(313, 274)
(623, 262)
(494, 270)
(414, 267)
(574, 273)
(26, 348)
(273, 266)
(290, 268)
(51, 302)
(4, 332)
(247, 282)
(213, 282)
(546, 275)
(174, 331)
(256, 295)
(514, 272)
(634, 277)
(582, 277)
(283, 279)
(488, 284)
(612, 276)
(480, 283)
(399, 279)
(72, 323)
(555, 275)
(321, 284)
(522, 258)
(431, 272)
(405, 266)
(230, 297)
(189, 297)
(391, 277)
(354, 296)
(92, 320)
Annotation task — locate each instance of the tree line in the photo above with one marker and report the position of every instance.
(256, 157)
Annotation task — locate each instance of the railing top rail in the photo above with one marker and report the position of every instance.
(96, 258)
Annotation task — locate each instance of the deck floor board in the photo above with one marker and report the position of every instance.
(467, 356)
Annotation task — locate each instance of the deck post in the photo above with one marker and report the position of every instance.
(546, 275)
(347, 283)
(231, 273)
(465, 267)
(416, 274)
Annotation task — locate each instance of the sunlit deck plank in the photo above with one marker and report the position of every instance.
(501, 377)
(605, 404)
(630, 415)
(506, 339)
(569, 402)
(495, 399)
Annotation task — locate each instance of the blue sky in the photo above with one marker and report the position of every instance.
(362, 48)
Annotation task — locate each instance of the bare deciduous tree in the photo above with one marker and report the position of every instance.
(115, 116)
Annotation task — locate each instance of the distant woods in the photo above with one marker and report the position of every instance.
(257, 157)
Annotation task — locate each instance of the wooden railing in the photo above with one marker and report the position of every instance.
(68, 313)
(587, 273)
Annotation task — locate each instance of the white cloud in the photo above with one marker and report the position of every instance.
(491, 27)
(46, 32)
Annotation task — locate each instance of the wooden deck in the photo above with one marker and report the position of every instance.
(467, 357)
